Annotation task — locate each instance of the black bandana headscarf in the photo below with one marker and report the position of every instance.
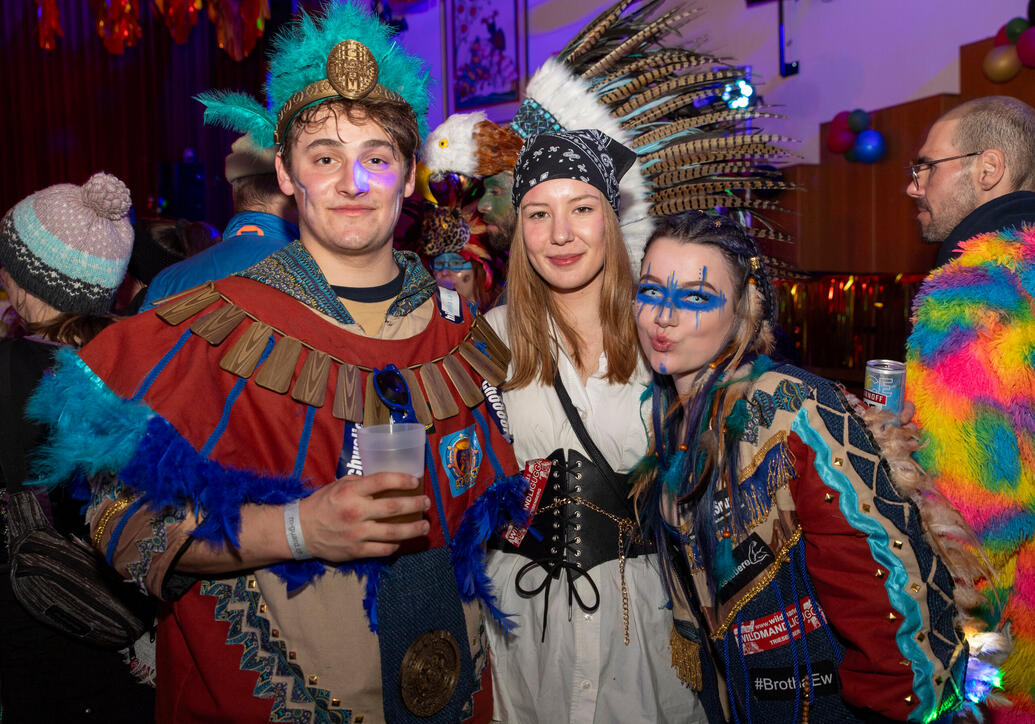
(586, 155)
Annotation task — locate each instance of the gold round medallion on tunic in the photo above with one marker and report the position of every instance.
(351, 69)
(430, 672)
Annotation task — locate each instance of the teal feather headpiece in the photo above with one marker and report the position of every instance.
(374, 65)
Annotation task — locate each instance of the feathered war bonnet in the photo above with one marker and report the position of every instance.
(623, 76)
(343, 52)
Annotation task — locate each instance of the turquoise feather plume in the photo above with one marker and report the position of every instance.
(92, 430)
(300, 53)
(239, 112)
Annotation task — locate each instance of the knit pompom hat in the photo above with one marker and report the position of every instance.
(69, 245)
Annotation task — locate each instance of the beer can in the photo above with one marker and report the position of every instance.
(885, 384)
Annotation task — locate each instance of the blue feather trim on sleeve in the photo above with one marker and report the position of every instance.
(92, 430)
(502, 503)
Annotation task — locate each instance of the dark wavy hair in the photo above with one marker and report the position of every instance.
(704, 460)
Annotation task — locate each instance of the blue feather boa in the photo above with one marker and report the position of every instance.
(502, 503)
(92, 430)
(96, 431)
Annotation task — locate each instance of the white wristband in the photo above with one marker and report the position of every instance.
(293, 531)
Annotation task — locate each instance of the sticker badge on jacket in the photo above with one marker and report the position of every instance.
(461, 456)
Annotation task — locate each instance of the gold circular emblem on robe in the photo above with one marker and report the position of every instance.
(351, 69)
(430, 672)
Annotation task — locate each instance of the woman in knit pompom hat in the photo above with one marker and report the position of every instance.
(63, 253)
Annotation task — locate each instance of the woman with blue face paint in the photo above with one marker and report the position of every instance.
(804, 584)
(591, 642)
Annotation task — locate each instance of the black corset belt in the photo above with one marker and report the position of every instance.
(583, 519)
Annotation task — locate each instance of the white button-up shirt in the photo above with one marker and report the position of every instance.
(583, 672)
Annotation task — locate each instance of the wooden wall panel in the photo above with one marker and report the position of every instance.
(974, 83)
(898, 247)
(856, 218)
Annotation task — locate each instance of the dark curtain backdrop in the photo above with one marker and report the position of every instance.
(68, 112)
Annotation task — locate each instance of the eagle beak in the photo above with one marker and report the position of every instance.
(423, 175)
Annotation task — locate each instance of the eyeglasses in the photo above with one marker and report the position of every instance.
(390, 387)
(917, 166)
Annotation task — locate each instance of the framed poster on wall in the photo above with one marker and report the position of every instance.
(485, 55)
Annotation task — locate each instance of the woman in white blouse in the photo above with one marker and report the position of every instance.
(591, 640)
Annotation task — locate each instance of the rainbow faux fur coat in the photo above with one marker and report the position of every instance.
(971, 374)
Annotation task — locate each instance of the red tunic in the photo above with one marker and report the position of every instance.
(239, 648)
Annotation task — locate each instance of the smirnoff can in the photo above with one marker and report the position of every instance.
(885, 384)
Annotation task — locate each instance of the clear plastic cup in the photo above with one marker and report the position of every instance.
(395, 448)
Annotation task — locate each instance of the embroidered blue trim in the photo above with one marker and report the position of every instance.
(429, 465)
(303, 443)
(224, 420)
(148, 547)
(146, 383)
(267, 657)
(497, 468)
(231, 398)
(116, 533)
(880, 548)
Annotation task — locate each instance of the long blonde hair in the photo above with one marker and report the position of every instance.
(531, 306)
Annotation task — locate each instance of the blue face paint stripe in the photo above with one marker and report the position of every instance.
(880, 547)
(146, 383)
(671, 297)
(429, 465)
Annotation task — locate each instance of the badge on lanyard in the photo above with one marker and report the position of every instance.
(461, 456)
(449, 305)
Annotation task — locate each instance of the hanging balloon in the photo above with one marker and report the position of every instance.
(1015, 27)
(1002, 64)
(840, 120)
(858, 120)
(850, 155)
(840, 139)
(1026, 47)
(869, 146)
(1001, 38)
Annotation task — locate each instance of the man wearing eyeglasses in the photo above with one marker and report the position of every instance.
(975, 172)
(970, 361)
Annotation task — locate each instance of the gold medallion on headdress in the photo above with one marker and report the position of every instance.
(352, 70)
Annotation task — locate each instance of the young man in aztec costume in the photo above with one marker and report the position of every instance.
(218, 431)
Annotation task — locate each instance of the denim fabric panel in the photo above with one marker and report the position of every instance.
(835, 423)
(865, 468)
(418, 595)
